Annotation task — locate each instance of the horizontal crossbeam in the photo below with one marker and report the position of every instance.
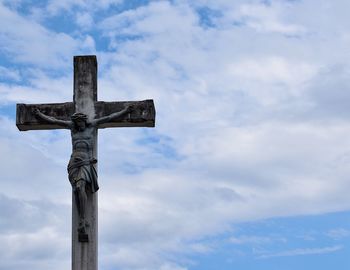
(142, 115)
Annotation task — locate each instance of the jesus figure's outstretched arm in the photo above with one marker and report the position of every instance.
(112, 116)
(52, 120)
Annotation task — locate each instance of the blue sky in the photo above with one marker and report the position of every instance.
(248, 166)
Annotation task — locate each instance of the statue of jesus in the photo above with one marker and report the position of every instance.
(82, 173)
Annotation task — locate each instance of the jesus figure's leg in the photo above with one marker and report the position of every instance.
(80, 199)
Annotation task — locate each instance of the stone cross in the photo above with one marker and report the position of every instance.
(83, 117)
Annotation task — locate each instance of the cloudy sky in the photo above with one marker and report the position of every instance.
(248, 166)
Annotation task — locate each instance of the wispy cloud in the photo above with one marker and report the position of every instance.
(301, 252)
(9, 74)
(267, 18)
(255, 240)
(58, 6)
(339, 233)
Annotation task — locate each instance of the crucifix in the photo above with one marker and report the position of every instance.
(83, 117)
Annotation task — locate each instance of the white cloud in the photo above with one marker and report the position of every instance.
(42, 90)
(34, 249)
(242, 129)
(30, 42)
(273, 70)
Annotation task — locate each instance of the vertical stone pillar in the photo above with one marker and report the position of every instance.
(84, 254)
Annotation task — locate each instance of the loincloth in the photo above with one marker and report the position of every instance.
(80, 169)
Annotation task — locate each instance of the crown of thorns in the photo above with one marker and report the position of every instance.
(79, 116)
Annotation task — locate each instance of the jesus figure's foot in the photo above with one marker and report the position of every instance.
(83, 237)
(82, 234)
